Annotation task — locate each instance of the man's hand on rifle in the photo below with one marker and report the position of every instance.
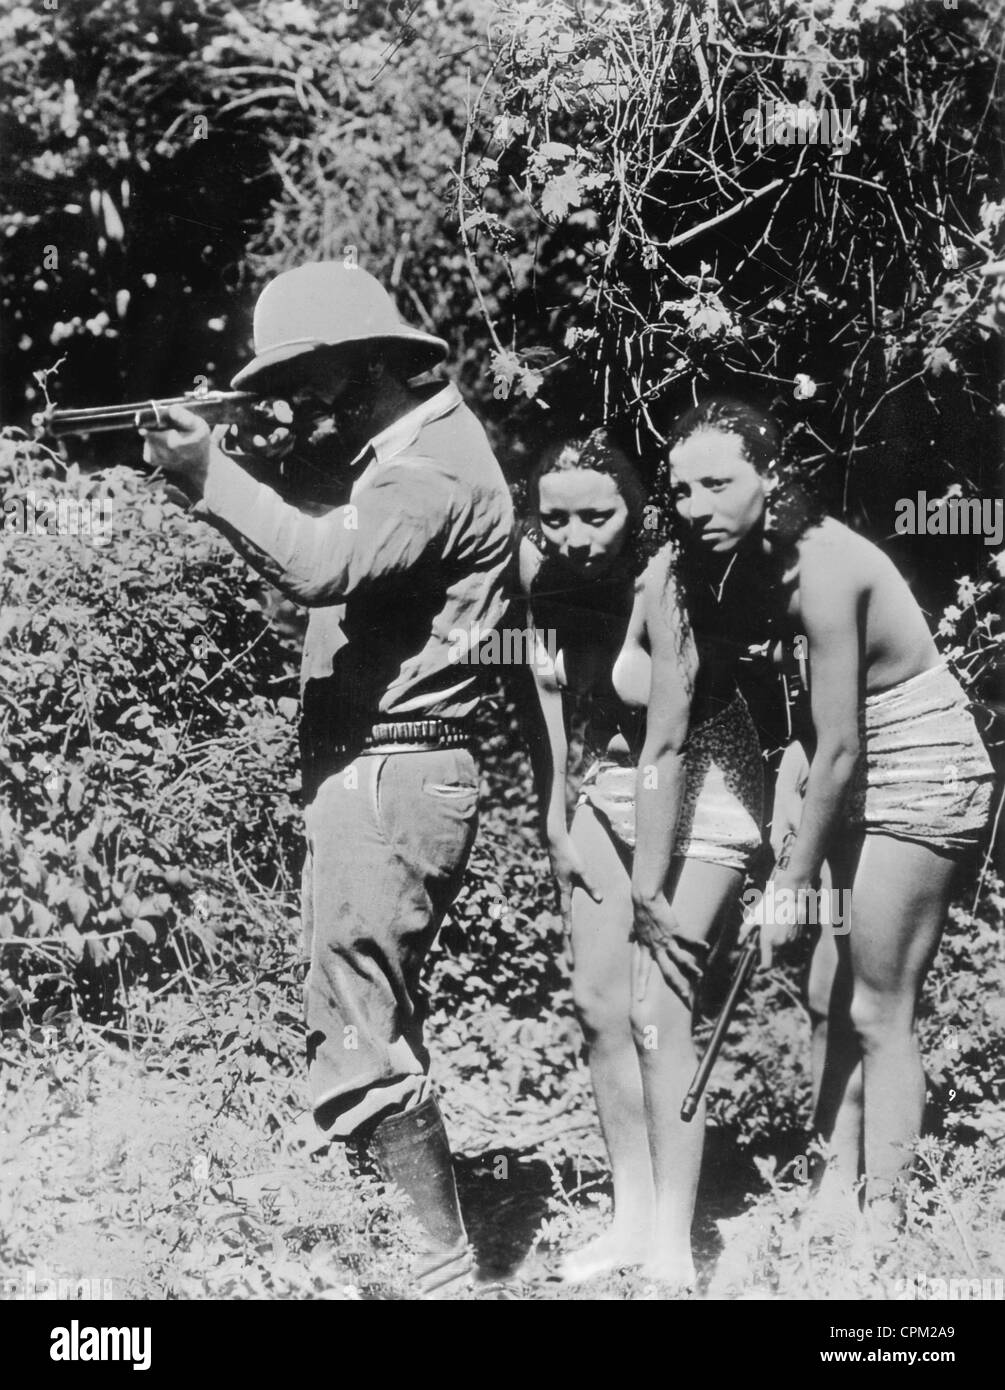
(180, 446)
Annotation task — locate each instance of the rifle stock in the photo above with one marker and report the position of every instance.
(214, 406)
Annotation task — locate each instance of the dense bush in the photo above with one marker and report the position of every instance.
(124, 218)
(148, 808)
(567, 192)
(146, 740)
(618, 241)
(160, 160)
(644, 176)
(150, 842)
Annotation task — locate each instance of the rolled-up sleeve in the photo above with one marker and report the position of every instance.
(385, 529)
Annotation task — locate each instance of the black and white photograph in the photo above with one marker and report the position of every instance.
(502, 661)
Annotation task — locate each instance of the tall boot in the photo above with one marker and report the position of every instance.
(411, 1150)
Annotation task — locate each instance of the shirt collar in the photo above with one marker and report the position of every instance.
(404, 431)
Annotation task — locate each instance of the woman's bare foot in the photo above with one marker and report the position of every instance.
(837, 1222)
(664, 1291)
(832, 1213)
(673, 1270)
(884, 1223)
(833, 1230)
(609, 1251)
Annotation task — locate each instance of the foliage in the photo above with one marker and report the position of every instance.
(167, 751)
(370, 178)
(146, 742)
(953, 1230)
(661, 187)
(971, 629)
(160, 161)
(149, 836)
(962, 1022)
(179, 1178)
(121, 212)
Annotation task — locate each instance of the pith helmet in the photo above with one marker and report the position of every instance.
(327, 305)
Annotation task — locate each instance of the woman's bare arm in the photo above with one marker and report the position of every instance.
(831, 603)
(660, 781)
(660, 778)
(550, 754)
(831, 616)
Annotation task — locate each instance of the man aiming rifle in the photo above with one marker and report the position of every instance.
(404, 542)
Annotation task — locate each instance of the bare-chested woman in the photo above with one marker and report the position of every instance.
(598, 608)
(889, 720)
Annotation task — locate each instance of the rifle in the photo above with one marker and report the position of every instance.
(742, 974)
(214, 406)
(744, 969)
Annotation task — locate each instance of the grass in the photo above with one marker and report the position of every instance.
(189, 1167)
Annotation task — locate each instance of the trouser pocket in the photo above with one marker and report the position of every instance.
(427, 808)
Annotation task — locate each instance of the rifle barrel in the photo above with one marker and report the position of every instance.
(132, 415)
(741, 975)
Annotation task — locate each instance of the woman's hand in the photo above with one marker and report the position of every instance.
(779, 915)
(787, 810)
(570, 872)
(658, 938)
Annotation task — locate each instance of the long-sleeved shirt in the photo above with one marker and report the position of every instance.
(414, 559)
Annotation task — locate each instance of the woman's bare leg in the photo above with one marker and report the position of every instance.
(900, 901)
(662, 1027)
(835, 1055)
(601, 986)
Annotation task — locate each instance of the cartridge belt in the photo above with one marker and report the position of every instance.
(412, 736)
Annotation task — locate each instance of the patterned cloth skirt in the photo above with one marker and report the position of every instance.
(720, 816)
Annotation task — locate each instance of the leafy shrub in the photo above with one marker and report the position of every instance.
(160, 161)
(168, 1190)
(953, 1230)
(172, 748)
(962, 1021)
(658, 246)
(129, 187)
(146, 741)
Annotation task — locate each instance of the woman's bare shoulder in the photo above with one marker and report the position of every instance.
(837, 546)
(832, 553)
(659, 572)
(530, 560)
(660, 603)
